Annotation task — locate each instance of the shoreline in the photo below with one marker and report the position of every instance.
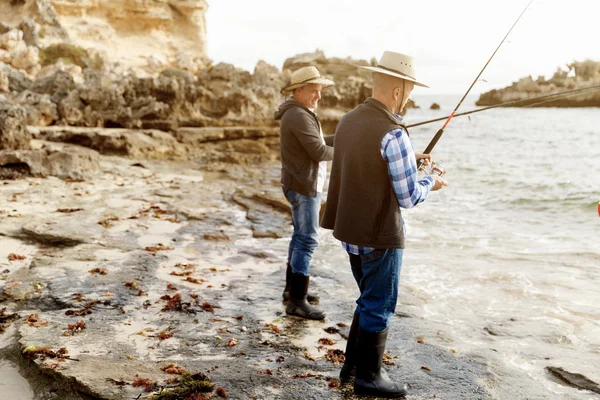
(143, 221)
(119, 340)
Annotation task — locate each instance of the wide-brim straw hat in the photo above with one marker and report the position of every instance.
(305, 76)
(399, 65)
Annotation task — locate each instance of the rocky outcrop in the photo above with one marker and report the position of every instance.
(217, 96)
(220, 95)
(140, 144)
(55, 70)
(578, 75)
(575, 380)
(13, 134)
(17, 80)
(125, 32)
(64, 162)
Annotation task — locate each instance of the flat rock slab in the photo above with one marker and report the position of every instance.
(135, 143)
(150, 286)
(66, 162)
(62, 232)
(193, 136)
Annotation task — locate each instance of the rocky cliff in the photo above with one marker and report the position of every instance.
(76, 67)
(131, 33)
(576, 75)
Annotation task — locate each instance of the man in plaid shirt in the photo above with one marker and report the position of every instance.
(374, 174)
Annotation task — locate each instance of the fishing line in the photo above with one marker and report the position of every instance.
(439, 133)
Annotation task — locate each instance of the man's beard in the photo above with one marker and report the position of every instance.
(399, 108)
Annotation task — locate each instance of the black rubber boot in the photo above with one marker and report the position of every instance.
(310, 297)
(371, 379)
(349, 368)
(297, 303)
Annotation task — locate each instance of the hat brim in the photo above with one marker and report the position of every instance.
(318, 81)
(388, 72)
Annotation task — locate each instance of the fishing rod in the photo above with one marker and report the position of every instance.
(590, 88)
(439, 133)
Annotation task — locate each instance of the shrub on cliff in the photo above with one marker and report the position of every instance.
(70, 54)
(587, 70)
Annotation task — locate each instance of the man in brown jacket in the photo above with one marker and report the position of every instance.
(374, 173)
(304, 156)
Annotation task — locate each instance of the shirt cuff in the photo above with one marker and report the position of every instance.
(430, 181)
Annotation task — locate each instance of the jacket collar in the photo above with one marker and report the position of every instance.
(377, 105)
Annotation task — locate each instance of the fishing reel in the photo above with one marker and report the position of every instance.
(433, 168)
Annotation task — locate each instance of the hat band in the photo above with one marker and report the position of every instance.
(305, 81)
(395, 71)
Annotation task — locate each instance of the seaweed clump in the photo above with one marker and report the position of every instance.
(189, 386)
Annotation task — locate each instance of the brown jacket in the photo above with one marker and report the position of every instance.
(301, 147)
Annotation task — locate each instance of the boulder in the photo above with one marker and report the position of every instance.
(138, 144)
(17, 80)
(31, 32)
(40, 110)
(57, 84)
(63, 161)
(11, 39)
(70, 109)
(26, 58)
(586, 73)
(434, 106)
(13, 134)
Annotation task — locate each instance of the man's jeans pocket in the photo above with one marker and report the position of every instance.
(373, 255)
(290, 195)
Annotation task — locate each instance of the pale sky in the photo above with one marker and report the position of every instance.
(450, 39)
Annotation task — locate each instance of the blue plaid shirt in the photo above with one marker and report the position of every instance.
(398, 153)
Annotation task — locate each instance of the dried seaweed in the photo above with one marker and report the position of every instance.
(100, 271)
(336, 356)
(327, 341)
(34, 320)
(190, 387)
(167, 333)
(34, 352)
(174, 369)
(86, 310)
(146, 383)
(72, 329)
(157, 248)
(387, 359)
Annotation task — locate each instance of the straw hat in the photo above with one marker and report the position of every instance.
(399, 65)
(305, 76)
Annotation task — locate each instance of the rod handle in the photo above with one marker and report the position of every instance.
(430, 146)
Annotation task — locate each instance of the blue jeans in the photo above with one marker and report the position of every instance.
(305, 218)
(378, 275)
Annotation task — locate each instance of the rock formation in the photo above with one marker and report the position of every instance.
(13, 134)
(76, 64)
(577, 75)
(126, 32)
